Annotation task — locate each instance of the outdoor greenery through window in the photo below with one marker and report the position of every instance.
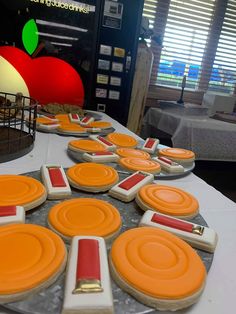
(199, 41)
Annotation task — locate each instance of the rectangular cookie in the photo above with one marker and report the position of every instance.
(87, 285)
(101, 157)
(48, 127)
(86, 120)
(169, 165)
(74, 118)
(109, 146)
(55, 181)
(11, 214)
(150, 145)
(127, 189)
(196, 235)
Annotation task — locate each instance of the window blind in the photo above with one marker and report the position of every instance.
(198, 41)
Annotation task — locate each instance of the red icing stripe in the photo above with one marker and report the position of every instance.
(85, 119)
(150, 143)
(7, 211)
(75, 116)
(56, 177)
(102, 154)
(131, 181)
(172, 222)
(166, 160)
(88, 261)
(102, 139)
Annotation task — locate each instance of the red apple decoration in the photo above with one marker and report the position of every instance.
(48, 79)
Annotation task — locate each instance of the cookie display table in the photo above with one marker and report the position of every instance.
(218, 211)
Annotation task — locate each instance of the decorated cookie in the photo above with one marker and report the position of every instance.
(127, 189)
(86, 146)
(52, 126)
(157, 268)
(86, 121)
(18, 190)
(63, 118)
(92, 177)
(11, 214)
(179, 155)
(74, 118)
(168, 165)
(122, 140)
(150, 145)
(71, 128)
(100, 124)
(84, 216)
(196, 235)
(55, 181)
(136, 164)
(100, 157)
(88, 286)
(31, 259)
(167, 200)
(108, 145)
(131, 152)
(45, 120)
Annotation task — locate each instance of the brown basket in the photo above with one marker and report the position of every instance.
(17, 125)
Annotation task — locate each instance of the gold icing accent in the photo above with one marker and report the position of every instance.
(87, 286)
(198, 230)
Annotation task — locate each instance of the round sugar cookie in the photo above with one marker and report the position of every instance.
(100, 124)
(71, 128)
(167, 200)
(31, 259)
(84, 216)
(92, 177)
(157, 268)
(86, 146)
(62, 118)
(22, 191)
(122, 140)
(179, 155)
(131, 152)
(136, 164)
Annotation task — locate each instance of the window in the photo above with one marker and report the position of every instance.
(199, 41)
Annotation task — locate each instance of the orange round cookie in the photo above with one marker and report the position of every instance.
(157, 268)
(21, 190)
(63, 118)
(135, 164)
(84, 216)
(71, 128)
(84, 146)
(92, 177)
(122, 140)
(131, 152)
(31, 258)
(167, 200)
(100, 124)
(177, 154)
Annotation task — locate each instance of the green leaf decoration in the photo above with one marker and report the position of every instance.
(30, 36)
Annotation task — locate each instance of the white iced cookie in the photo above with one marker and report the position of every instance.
(11, 214)
(100, 157)
(87, 285)
(74, 118)
(196, 235)
(55, 181)
(127, 189)
(93, 130)
(86, 121)
(109, 146)
(169, 165)
(150, 145)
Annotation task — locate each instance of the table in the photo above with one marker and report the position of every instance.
(191, 128)
(219, 212)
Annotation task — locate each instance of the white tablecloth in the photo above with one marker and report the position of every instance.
(219, 212)
(192, 129)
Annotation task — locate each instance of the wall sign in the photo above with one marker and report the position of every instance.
(116, 81)
(117, 67)
(105, 50)
(113, 94)
(103, 64)
(102, 79)
(101, 93)
(112, 15)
